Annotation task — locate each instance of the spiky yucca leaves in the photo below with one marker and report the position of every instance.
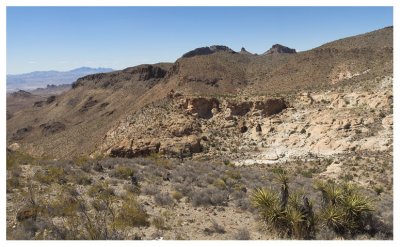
(263, 199)
(344, 208)
(268, 204)
(334, 218)
(289, 215)
(297, 221)
(266, 201)
(331, 193)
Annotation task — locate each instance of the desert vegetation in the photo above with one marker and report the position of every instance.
(153, 198)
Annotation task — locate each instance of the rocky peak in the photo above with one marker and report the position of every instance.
(278, 49)
(21, 93)
(207, 51)
(244, 51)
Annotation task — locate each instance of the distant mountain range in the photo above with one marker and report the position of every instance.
(40, 79)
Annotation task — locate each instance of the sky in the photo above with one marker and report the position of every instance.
(64, 38)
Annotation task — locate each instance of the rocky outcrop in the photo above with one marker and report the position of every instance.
(207, 51)
(142, 148)
(201, 107)
(265, 108)
(182, 147)
(146, 72)
(52, 128)
(279, 49)
(90, 102)
(21, 94)
(173, 147)
(245, 52)
(240, 109)
(21, 133)
(14, 147)
(141, 73)
(270, 106)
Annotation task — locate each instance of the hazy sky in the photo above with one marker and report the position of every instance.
(63, 38)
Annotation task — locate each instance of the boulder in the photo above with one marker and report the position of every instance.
(14, 147)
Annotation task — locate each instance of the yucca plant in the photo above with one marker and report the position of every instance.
(289, 215)
(297, 221)
(331, 193)
(264, 200)
(345, 209)
(334, 218)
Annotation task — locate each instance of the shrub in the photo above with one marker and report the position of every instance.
(219, 183)
(14, 159)
(122, 172)
(149, 189)
(163, 199)
(206, 197)
(52, 174)
(215, 228)
(185, 189)
(378, 190)
(177, 195)
(81, 178)
(100, 190)
(159, 223)
(131, 214)
(233, 174)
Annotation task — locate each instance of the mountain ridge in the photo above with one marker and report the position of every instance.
(110, 98)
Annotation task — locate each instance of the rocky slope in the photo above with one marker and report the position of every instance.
(214, 102)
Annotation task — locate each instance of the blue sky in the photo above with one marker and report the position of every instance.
(63, 38)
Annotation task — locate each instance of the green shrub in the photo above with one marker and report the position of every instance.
(14, 159)
(100, 190)
(122, 172)
(52, 174)
(81, 178)
(177, 195)
(131, 214)
(233, 174)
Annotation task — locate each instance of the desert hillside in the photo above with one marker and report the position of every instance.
(220, 144)
(98, 103)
